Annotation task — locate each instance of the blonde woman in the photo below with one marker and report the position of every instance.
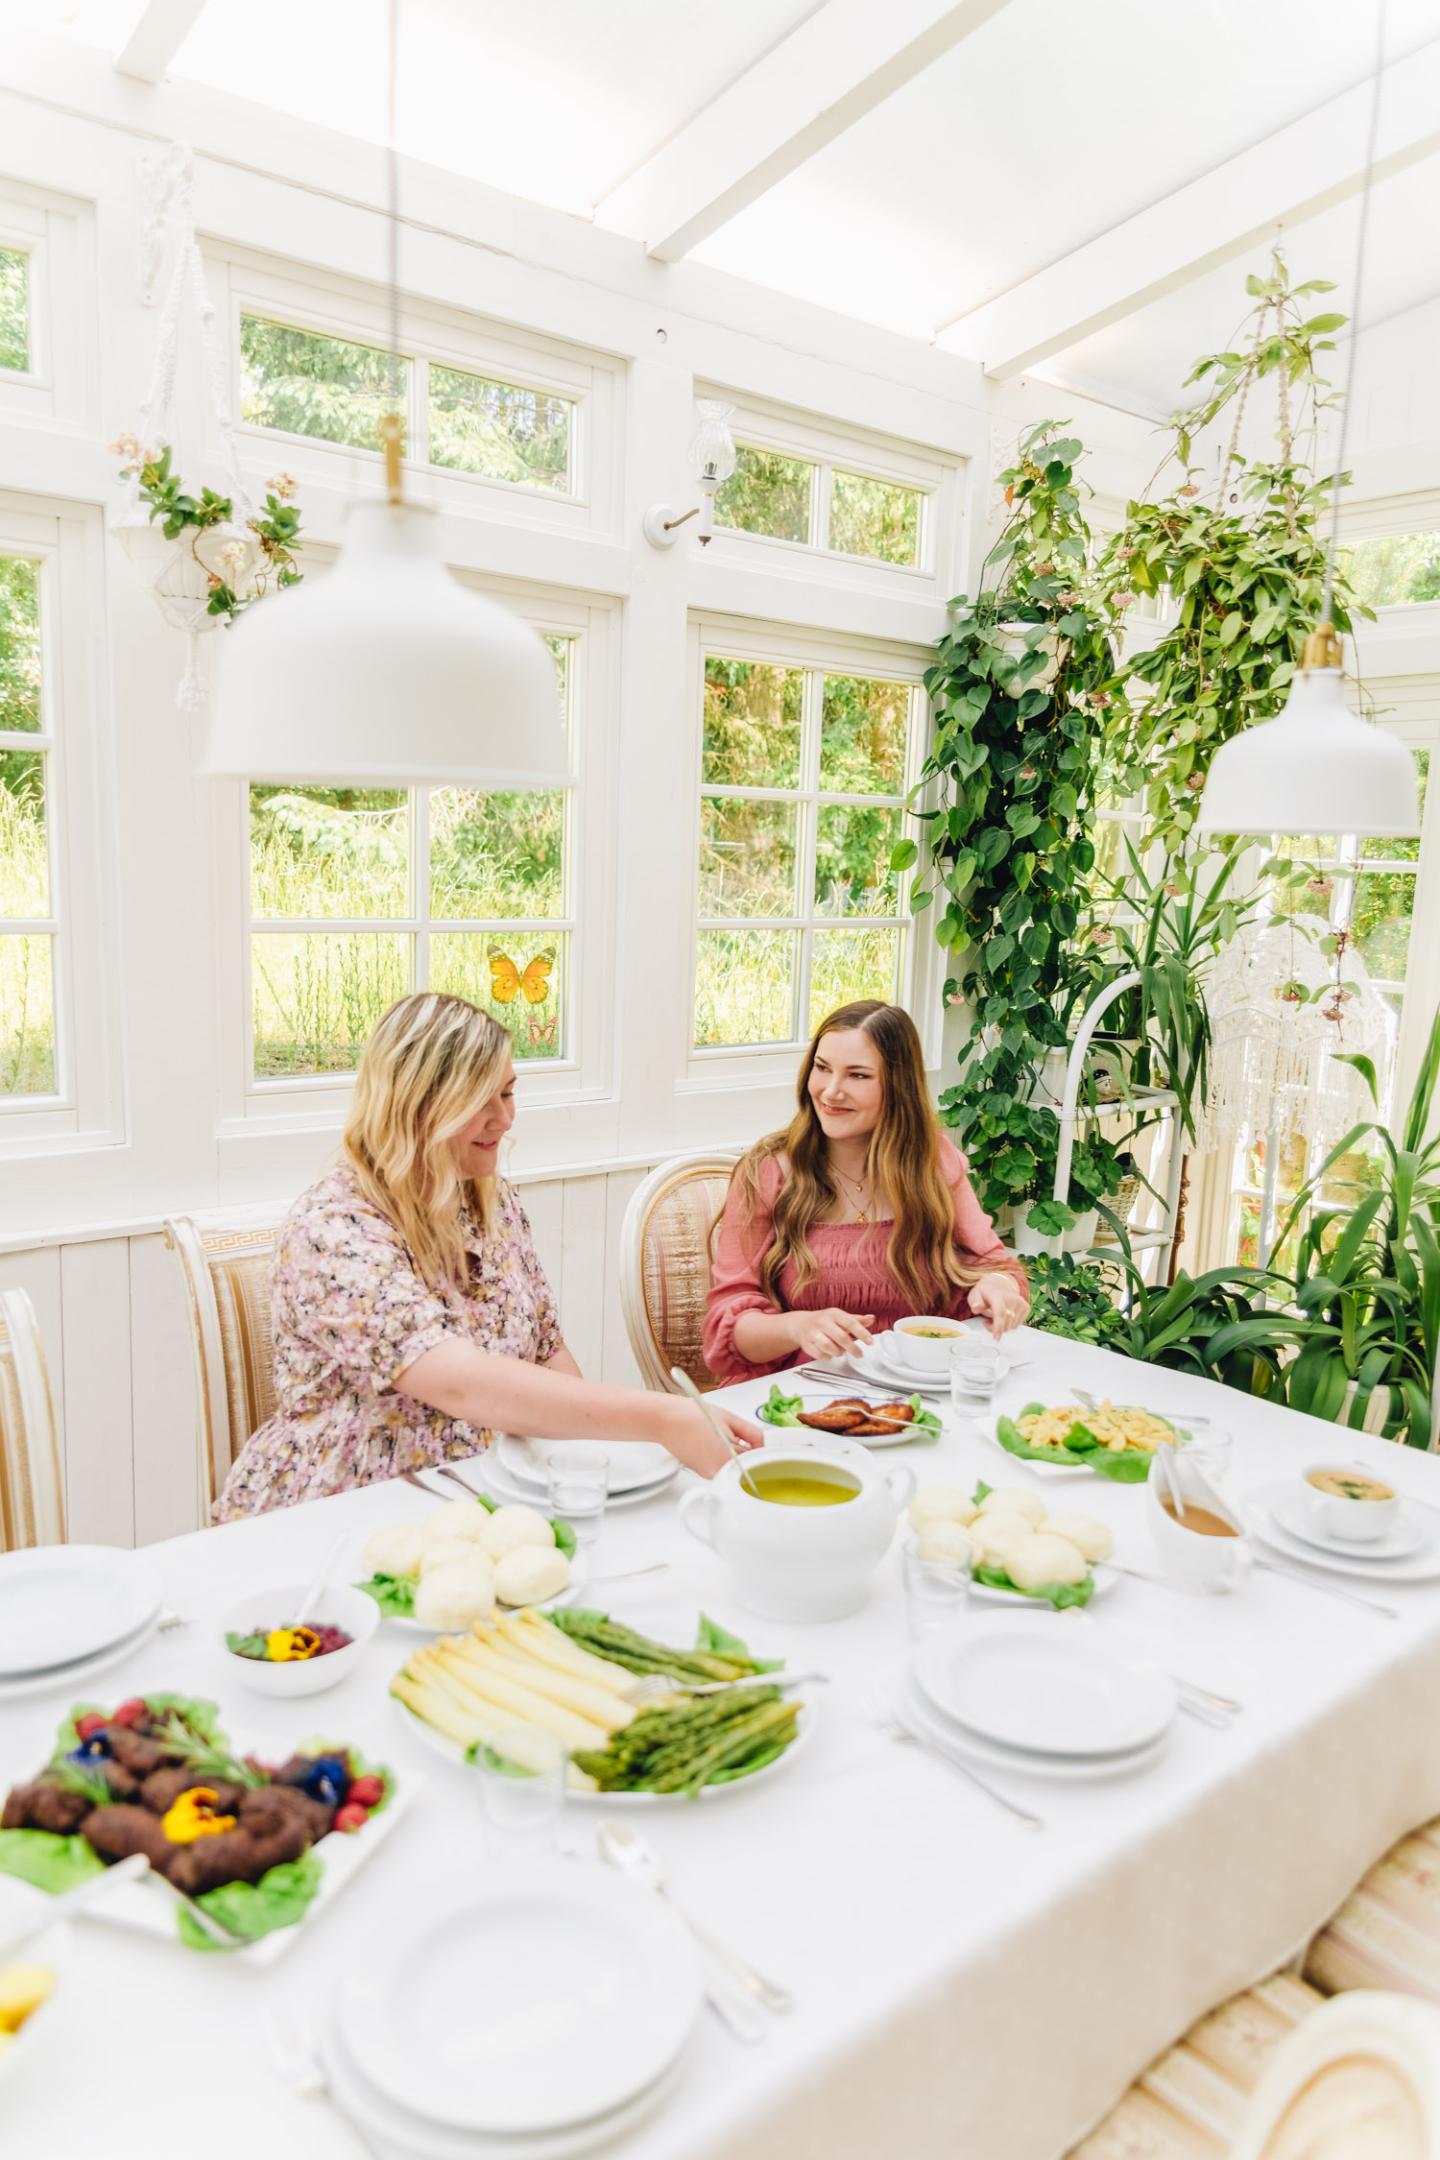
(411, 1313)
(859, 1212)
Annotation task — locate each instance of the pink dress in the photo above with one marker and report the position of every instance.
(351, 1312)
(851, 1261)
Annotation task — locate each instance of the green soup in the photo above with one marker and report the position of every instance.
(788, 1486)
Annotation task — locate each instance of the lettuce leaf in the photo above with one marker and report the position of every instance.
(282, 1897)
(1060, 1595)
(49, 1862)
(709, 1635)
(1081, 1451)
(779, 1408)
(394, 1594)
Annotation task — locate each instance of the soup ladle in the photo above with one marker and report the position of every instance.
(687, 1387)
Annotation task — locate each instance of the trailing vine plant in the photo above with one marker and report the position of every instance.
(1019, 684)
(239, 581)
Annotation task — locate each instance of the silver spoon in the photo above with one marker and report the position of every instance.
(892, 1720)
(635, 1856)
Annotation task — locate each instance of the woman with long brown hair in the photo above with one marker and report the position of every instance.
(859, 1212)
(411, 1314)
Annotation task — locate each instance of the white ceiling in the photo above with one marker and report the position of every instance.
(1047, 126)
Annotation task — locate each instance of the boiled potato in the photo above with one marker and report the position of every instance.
(394, 1549)
(1014, 1500)
(946, 1543)
(450, 1597)
(456, 1519)
(1093, 1537)
(940, 1503)
(446, 1549)
(992, 1536)
(530, 1574)
(1034, 1562)
(510, 1528)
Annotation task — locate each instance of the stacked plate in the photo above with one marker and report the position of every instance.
(68, 1612)
(884, 1362)
(519, 1469)
(1043, 1701)
(536, 2022)
(1409, 1552)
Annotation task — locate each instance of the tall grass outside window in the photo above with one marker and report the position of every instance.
(802, 777)
(358, 895)
(29, 924)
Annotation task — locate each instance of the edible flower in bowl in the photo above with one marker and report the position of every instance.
(278, 1650)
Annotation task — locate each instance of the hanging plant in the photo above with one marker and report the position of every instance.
(1245, 569)
(236, 562)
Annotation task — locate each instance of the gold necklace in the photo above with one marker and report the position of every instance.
(861, 1204)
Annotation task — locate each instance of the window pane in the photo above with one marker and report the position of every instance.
(518, 977)
(862, 735)
(875, 518)
(744, 987)
(1402, 850)
(318, 994)
(767, 493)
(752, 724)
(496, 855)
(852, 861)
(19, 643)
(308, 384)
(27, 1016)
(499, 429)
(1380, 924)
(848, 964)
(1395, 570)
(24, 867)
(329, 851)
(747, 856)
(14, 308)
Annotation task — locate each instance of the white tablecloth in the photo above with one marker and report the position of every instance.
(964, 1989)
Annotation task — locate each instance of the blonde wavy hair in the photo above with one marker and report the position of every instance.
(425, 1072)
(903, 1163)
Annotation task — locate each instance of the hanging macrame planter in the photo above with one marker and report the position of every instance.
(203, 559)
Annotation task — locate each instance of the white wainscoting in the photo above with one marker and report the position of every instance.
(117, 1339)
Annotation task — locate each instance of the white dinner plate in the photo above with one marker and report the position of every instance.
(597, 1987)
(74, 1679)
(1021, 1762)
(579, 1576)
(1043, 1689)
(1421, 1566)
(1103, 1577)
(635, 1465)
(501, 1487)
(62, 1603)
(449, 1752)
(1405, 1537)
(414, 2139)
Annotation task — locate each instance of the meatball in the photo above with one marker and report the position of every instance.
(44, 1805)
(163, 1788)
(263, 1838)
(117, 1832)
(134, 1752)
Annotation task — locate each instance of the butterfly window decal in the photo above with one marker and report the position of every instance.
(508, 982)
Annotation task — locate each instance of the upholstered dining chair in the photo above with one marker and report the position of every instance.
(1358, 2081)
(665, 1263)
(226, 1262)
(32, 1491)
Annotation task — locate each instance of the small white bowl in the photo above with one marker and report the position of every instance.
(338, 1606)
(929, 1352)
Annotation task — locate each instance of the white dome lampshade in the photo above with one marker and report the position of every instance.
(386, 672)
(1317, 767)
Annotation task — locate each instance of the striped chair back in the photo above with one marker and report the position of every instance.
(665, 1264)
(32, 1491)
(227, 1263)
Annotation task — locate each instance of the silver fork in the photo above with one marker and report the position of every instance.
(891, 1720)
(654, 1687)
(298, 2064)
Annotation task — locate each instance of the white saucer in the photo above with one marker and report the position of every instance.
(498, 1485)
(1018, 1762)
(1421, 1566)
(1405, 1538)
(873, 1365)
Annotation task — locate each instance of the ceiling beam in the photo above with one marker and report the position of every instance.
(839, 64)
(161, 28)
(1303, 169)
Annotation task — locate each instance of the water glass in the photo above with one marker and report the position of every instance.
(520, 1776)
(936, 1592)
(976, 1365)
(579, 1485)
(1210, 1446)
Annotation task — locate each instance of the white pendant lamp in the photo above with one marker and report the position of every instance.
(386, 671)
(1318, 767)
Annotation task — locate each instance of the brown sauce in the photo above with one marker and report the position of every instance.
(1202, 1520)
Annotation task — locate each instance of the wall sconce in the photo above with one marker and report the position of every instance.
(712, 460)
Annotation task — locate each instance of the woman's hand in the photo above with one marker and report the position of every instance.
(831, 1333)
(999, 1299)
(689, 1439)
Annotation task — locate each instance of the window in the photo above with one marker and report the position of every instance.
(788, 498)
(802, 781)
(358, 895)
(304, 382)
(28, 925)
(14, 309)
(1395, 569)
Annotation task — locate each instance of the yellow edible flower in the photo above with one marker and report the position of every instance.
(193, 1816)
(284, 1645)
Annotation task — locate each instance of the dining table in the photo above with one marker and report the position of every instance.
(962, 1986)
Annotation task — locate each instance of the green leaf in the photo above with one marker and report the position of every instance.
(394, 1594)
(1061, 1595)
(779, 1408)
(50, 1863)
(903, 854)
(281, 1897)
(719, 1642)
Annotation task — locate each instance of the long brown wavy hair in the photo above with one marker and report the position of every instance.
(903, 1162)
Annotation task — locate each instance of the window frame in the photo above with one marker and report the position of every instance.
(80, 817)
(920, 973)
(251, 1105)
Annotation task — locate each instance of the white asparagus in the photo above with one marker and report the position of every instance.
(522, 1702)
(533, 1631)
(603, 1704)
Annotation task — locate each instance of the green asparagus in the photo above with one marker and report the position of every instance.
(689, 1745)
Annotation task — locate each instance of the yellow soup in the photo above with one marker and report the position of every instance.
(789, 1486)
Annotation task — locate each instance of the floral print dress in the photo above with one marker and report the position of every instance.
(351, 1312)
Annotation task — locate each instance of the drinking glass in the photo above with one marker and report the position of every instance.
(579, 1485)
(936, 1592)
(975, 1369)
(1210, 1446)
(520, 1776)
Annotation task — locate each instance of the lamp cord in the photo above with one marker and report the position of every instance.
(393, 178)
(1360, 238)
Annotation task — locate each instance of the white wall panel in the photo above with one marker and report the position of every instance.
(99, 1477)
